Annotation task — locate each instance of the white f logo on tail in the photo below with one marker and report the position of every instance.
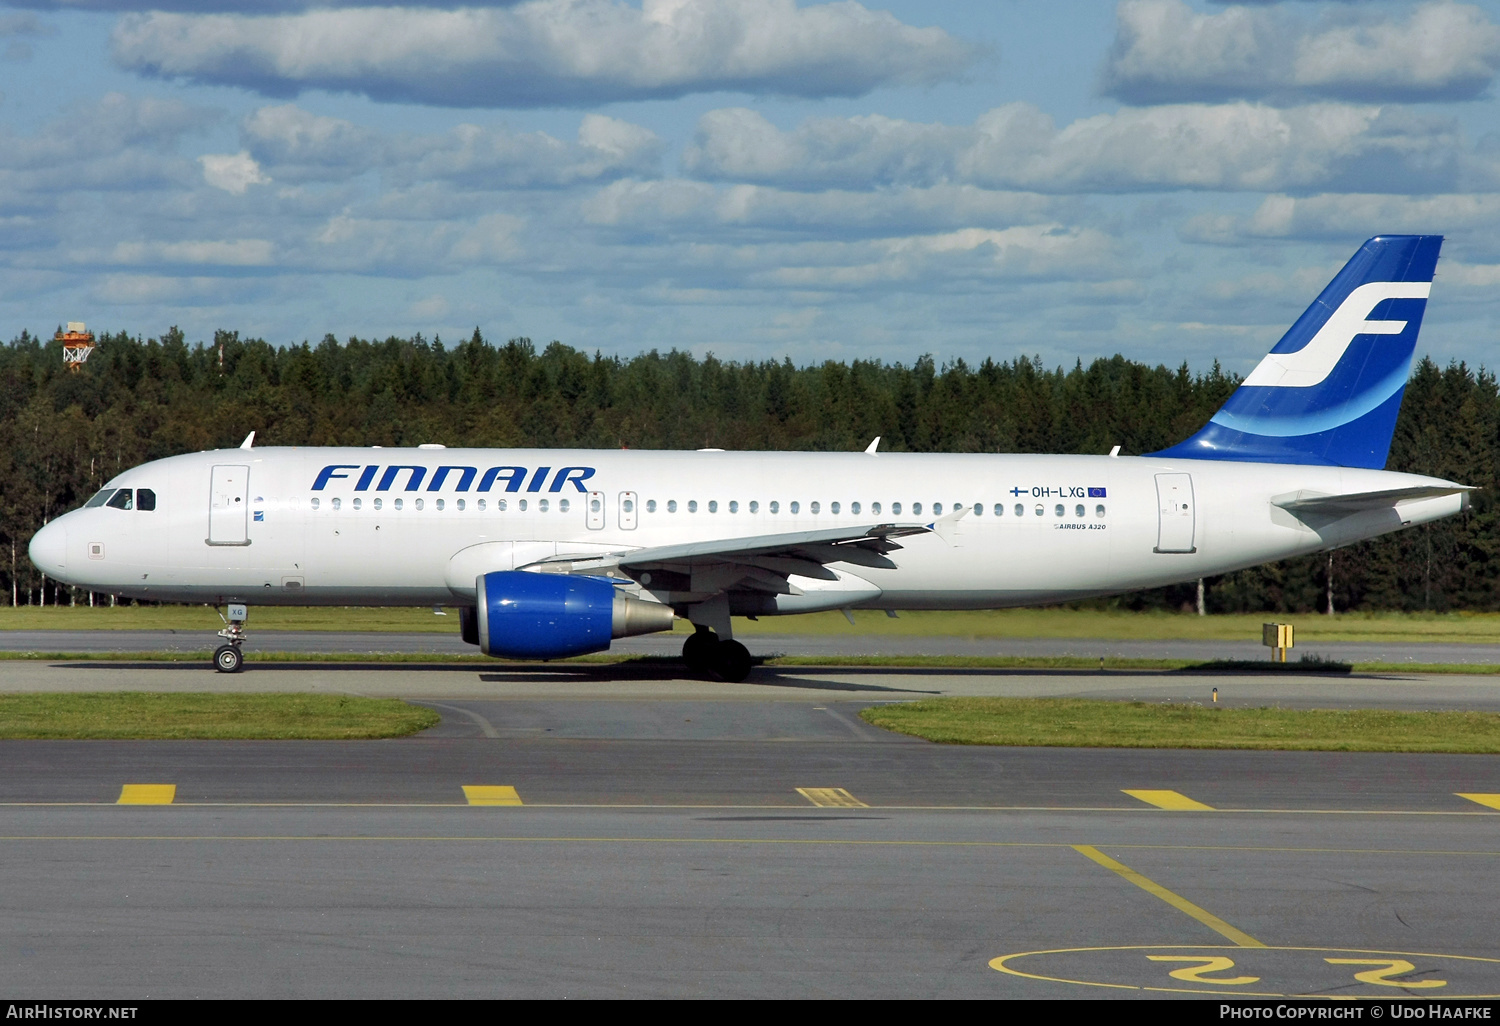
(1311, 364)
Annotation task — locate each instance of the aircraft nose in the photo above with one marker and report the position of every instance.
(49, 549)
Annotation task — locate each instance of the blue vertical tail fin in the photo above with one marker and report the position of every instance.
(1329, 392)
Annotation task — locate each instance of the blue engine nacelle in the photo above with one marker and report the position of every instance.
(524, 615)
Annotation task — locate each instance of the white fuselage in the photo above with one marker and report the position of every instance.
(1052, 540)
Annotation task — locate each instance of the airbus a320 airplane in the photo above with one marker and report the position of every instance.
(551, 553)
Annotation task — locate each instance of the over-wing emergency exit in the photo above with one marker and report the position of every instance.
(553, 553)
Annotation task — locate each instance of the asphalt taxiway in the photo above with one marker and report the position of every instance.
(595, 831)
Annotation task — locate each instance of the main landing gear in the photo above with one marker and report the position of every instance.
(705, 653)
(227, 657)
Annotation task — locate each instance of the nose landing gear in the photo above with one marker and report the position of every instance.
(227, 657)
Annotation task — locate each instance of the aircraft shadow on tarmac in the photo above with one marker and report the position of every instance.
(671, 669)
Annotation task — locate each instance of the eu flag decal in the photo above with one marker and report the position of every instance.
(1096, 493)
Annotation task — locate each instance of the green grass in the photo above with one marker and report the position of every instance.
(1004, 623)
(140, 715)
(1095, 723)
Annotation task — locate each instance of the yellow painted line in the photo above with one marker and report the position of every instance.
(485, 794)
(147, 794)
(831, 798)
(1489, 801)
(1173, 800)
(1177, 901)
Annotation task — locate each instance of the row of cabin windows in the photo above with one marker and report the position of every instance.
(124, 498)
(795, 508)
(855, 508)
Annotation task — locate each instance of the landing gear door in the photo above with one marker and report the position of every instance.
(229, 506)
(628, 508)
(596, 511)
(1176, 513)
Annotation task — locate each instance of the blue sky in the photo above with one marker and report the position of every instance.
(1165, 179)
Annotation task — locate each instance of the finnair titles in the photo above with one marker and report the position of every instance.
(554, 553)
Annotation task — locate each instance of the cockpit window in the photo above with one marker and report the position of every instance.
(122, 500)
(100, 498)
(145, 499)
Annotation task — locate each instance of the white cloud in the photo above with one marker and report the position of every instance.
(232, 172)
(300, 146)
(670, 206)
(226, 253)
(1348, 216)
(546, 52)
(1233, 146)
(1166, 52)
(1033, 252)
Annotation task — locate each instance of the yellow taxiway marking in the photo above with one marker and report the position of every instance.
(147, 794)
(831, 798)
(1177, 901)
(1489, 801)
(486, 794)
(1173, 800)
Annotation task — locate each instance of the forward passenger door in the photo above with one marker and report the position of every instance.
(229, 506)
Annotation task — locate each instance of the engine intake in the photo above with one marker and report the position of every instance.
(525, 615)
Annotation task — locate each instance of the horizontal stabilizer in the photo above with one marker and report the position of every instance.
(1316, 503)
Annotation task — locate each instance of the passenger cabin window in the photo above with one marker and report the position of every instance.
(854, 508)
(1020, 510)
(650, 505)
(999, 509)
(542, 504)
(419, 504)
(100, 498)
(815, 507)
(316, 502)
(692, 505)
(440, 505)
(338, 503)
(562, 505)
(916, 509)
(895, 509)
(833, 507)
(1098, 511)
(482, 505)
(775, 506)
(378, 503)
(1078, 510)
(713, 505)
(1040, 509)
(979, 509)
(754, 506)
(1058, 509)
(460, 505)
(671, 505)
(145, 499)
(400, 503)
(734, 507)
(875, 508)
(937, 509)
(358, 503)
(122, 499)
(795, 507)
(520, 505)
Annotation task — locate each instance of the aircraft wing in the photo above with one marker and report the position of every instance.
(1356, 502)
(760, 563)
